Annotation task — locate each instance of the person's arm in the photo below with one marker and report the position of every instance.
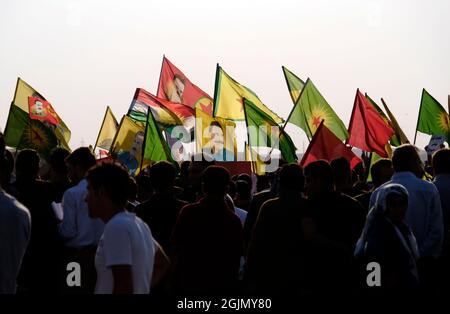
(123, 279)
(161, 265)
(435, 225)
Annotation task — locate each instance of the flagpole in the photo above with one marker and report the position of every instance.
(144, 142)
(12, 102)
(350, 124)
(287, 83)
(101, 127)
(418, 117)
(248, 137)
(216, 85)
(160, 73)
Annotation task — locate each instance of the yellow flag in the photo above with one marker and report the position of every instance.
(215, 135)
(229, 99)
(128, 142)
(258, 166)
(107, 130)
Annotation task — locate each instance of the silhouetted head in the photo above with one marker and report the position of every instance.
(243, 190)
(342, 173)
(78, 163)
(381, 172)
(57, 163)
(215, 181)
(441, 161)
(291, 178)
(27, 165)
(108, 190)
(406, 158)
(318, 178)
(196, 167)
(162, 175)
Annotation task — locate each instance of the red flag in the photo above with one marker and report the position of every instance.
(325, 145)
(40, 109)
(368, 131)
(176, 87)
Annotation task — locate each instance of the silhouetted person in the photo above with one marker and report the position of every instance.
(342, 174)
(160, 212)
(335, 226)
(274, 260)
(81, 233)
(388, 241)
(58, 174)
(381, 173)
(15, 227)
(207, 241)
(40, 272)
(424, 214)
(192, 189)
(243, 195)
(441, 168)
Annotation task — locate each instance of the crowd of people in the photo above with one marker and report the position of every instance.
(196, 230)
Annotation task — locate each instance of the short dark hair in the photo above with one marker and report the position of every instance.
(291, 177)
(82, 157)
(114, 178)
(57, 159)
(375, 170)
(441, 161)
(27, 163)
(404, 158)
(341, 166)
(321, 169)
(243, 189)
(162, 175)
(215, 180)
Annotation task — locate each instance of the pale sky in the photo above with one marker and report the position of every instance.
(85, 55)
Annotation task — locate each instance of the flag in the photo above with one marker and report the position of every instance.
(215, 136)
(107, 130)
(42, 110)
(433, 119)
(368, 131)
(256, 118)
(294, 83)
(229, 99)
(127, 144)
(24, 129)
(174, 86)
(155, 147)
(399, 137)
(311, 108)
(166, 113)
(326, 145)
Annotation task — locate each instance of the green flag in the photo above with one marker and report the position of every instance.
(311, 108)
(433, 119)
(294, 83)
(262, 137)
(155, 146)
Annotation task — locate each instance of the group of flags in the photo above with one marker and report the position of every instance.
(146, 134)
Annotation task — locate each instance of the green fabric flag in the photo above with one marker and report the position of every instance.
(311, 108)
(433, 119)
(294, 83)
(256, 118)
(155, 146)
(395, 139)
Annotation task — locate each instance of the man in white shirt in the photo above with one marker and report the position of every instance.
(81, 233)
(126, 253)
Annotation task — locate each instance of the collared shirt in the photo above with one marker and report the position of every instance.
(77, 227)
(424, 213)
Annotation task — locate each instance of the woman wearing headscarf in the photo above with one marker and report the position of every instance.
(388, 240)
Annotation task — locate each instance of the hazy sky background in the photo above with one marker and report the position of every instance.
(85, 55)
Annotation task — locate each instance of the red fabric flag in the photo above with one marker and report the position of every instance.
(325, 145)
(176, 87)
(368, 131)
(40, 109)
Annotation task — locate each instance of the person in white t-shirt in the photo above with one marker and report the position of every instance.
(126, 252)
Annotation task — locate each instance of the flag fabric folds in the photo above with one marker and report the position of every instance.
(229, 99)
(367, 130)
(326, 145)
(259, 128)
(175, 87)
(107, 131)
(433, 119)
(39, 128)
(294, 83)
(399, 137)
(311, 108)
